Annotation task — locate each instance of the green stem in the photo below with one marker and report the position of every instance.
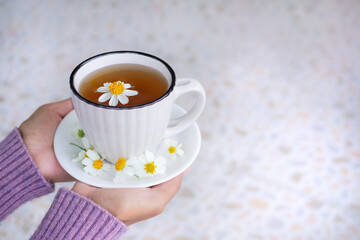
(78, 146)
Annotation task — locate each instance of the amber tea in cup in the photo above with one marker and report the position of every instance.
(148, 82)
(148, 88)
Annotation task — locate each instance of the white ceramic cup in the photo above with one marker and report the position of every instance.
(126, 131)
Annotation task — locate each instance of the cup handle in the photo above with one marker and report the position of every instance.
(183, 86)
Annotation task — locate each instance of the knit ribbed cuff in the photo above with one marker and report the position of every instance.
(72, 216)
(20, 179)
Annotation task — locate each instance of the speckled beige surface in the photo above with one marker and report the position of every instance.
(281, 130)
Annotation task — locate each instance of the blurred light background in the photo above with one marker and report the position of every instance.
(280, 156)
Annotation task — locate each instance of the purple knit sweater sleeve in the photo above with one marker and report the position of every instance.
(20, 179)
(72, 216)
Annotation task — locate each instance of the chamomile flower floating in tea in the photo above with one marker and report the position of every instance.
(116, 92)
(173, 148)
(123, 167)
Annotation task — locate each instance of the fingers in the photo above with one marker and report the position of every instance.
(132, 205)
(62, 107)
(167, 190)
(83, 189)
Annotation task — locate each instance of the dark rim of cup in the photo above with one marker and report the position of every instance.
(77, 94)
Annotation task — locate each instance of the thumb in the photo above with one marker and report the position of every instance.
(62, 107)
(83, 189)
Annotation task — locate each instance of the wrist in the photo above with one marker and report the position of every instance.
(33, 157)
(83, 189)
(94, 195)
(41, 156)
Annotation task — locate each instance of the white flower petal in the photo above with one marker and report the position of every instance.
(106, 167)
(168, 142)
(104, 97)
(180, 152)
(123, 99)
(101, 172)
(80, 156)
(94, 172)
(118, 177)
(129, 171)
(113, 100)
(103, 89)
(141, 173)
(142, 159)
(149, 156)
(77, 159)
(86, 143)
(87, 162)
(88, 169)
(127, 85)
(132, 161)
(159, 161)
(130, 93)
(93, 154)
(160, 169)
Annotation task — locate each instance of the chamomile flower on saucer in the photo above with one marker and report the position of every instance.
(82, 154)
(94, 165)
(85, 151)
(116, 92)
(124, 167)
(173, 148)
(149, 165)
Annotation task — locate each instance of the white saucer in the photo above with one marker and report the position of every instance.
(66, 134)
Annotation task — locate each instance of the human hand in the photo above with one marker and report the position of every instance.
(131, 205)
(38, 133)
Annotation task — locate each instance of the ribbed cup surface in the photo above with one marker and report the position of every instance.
(117, 133)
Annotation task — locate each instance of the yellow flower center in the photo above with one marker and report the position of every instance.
(120, 164)
(172, 149)
(116, 88)
(97, 164)
(150, 167)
